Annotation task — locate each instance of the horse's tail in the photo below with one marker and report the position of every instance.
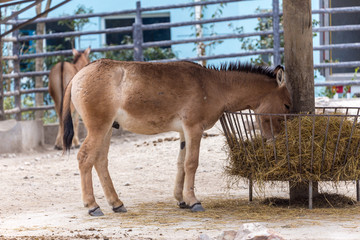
(66, 119)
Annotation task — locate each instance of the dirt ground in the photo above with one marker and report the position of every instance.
(40, 197)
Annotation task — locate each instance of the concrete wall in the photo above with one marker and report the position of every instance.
(21, 136)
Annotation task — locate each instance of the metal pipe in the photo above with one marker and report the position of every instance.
(310, 195)
(15, 14)
(75, 34)
(17, 87)
(138, 34)
(276, 34)
(32, 19)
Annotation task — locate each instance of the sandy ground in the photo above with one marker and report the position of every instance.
(40, 197)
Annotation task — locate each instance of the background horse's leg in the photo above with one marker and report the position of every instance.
(101, 166)
(179, 183)
(58, 142)
(192, 138)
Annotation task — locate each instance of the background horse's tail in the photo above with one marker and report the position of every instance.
(66, 119)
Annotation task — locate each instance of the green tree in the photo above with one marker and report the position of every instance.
(77, 24)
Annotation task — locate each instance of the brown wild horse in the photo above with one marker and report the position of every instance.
(150, 98)
(59, 77)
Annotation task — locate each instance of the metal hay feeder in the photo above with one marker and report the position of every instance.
(314, 157)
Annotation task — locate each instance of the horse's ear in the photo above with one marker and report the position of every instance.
(280, 74)
(75, 52)
(87, 51)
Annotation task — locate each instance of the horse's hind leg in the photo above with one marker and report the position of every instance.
(75, 118)
(58, 141)
(101, 167)
(179, 183)
(93, 152)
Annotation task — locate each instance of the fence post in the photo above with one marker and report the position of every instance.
(276, 34)
(16, 52)
(2, 114)
(138, 34)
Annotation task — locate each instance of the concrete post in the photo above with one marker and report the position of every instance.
(299, 65)
(299, 69)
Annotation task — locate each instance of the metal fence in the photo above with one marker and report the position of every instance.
(138, 45)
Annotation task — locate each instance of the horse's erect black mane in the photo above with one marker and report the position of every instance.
(243, 67)
(247, 67)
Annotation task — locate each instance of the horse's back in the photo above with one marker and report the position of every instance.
(143, 97)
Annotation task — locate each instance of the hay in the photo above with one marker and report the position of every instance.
(309, 162)
(222, 210)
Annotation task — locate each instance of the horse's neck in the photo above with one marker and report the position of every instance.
(241, 90)
(79, 64)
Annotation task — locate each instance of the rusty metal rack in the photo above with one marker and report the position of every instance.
(242, 128)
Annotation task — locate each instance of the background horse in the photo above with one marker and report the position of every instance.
(150, 98)
(60, 75)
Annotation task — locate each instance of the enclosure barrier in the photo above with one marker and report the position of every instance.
(138, 45)
(309, 148)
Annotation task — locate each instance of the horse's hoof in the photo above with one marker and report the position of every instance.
(58, 148)
(197, 208)
(183, 205)
(121, 208)
(96, 212)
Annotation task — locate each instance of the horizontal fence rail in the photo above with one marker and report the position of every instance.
(139, 45)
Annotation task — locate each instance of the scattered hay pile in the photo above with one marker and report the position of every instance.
(330, 163)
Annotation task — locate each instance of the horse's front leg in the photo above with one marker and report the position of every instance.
(179, 183)
(192, 138)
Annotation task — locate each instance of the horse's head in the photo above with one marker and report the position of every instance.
(81, 59)
(278, 101)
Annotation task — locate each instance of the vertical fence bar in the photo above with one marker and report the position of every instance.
(2, 114)
(337, 144)
(250, 190)
(262, 139)
(287, 145)
(357, 191)
(325, 141)
(16, 52)
(310, 195)
(300, 163)
(138, 34)
(273, 138)
(276, 34)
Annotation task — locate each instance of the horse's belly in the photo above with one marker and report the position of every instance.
(147, 124)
